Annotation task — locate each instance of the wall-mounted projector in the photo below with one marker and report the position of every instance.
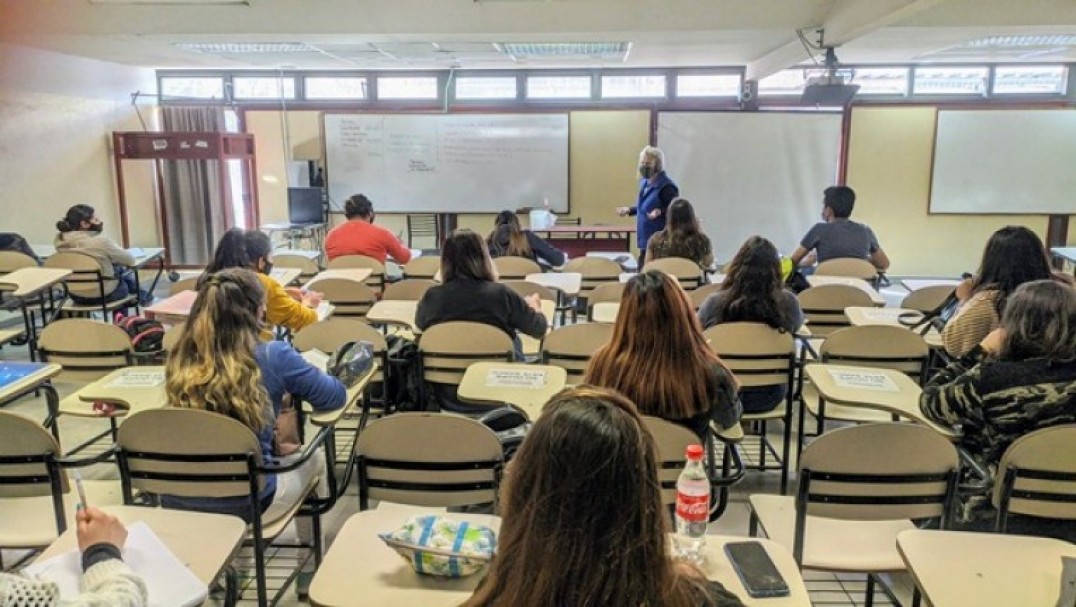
(828, 89)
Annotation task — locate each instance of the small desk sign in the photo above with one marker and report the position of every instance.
(863, 380)
(138, 379)
(513, 378)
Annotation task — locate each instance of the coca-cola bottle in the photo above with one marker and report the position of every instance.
(692, 507)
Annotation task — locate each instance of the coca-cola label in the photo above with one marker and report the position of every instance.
(693, 508)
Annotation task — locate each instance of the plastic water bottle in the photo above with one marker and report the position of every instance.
(692, 507)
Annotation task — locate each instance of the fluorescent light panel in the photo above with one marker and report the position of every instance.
(246, 47)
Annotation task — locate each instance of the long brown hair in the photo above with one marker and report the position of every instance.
(658, 356)
(464, 255)
(753, 286)
(682, 222)
(584, 522)
(212, 365)
(507, 237)
(1040, 322)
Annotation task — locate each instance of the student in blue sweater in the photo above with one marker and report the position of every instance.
(220, 364)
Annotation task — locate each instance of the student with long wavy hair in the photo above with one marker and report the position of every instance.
(1013, 255)
(219, 364)
(681, 237)
(583, 519)
(659, 359)
(252, 249)
(754, 292)
(509, 238)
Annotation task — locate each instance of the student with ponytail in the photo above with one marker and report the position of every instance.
(81, 231)
(508, 238)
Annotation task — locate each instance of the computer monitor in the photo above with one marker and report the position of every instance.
(305, 206)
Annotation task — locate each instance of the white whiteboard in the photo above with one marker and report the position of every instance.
(457, 163)
(1004, 161)
(749, 173)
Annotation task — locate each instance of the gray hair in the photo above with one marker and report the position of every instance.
(1040, 322)
(655, 153)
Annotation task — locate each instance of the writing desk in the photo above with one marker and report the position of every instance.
(958, 568)
(24, 284)
(44, 251)
(626, 260)
(295, 232)
(385, 578)
(354, 394)
(202, 541)
(143, 256)
(37, 379)
(530, 345)
(577, 241)
(859, 283)
(172, 310)
(913, 284)
(862, 316)
(356, 274)
(528, 387)
(399, 313)
(285, 276)
(568, 283)
(872, 388)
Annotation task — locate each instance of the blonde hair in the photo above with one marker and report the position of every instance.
(212, 366)
(655, 153)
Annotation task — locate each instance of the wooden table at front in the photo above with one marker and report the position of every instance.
(204, 542)
(577, 241)
(528, 387)
(871, 388)
(963, 569)
(385, 578)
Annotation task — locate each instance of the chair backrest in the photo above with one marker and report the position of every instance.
(307, 267)
(349, 298)
(607, 292)
(823, 306)
(88, 274)
(28, 464)
(571, 347)
(1037, 476)
(699, 295)
(408, 289)
(515, 268)
(525, 288)
(330, 334)
(375, 281)
(878, 346)
(757, 354)
(423, 226)
(672, 441)
(928, 298)
(82, 345)
(685, 270)
(184, 284)
(426, 266)
(878, 472)
(851, 267)
(187, 452)
(449, 348)
(594, 271)
(14, 260)
(428, 459)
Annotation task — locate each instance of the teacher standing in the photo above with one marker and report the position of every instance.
(656, 193)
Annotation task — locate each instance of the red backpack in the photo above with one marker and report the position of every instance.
(146, 335)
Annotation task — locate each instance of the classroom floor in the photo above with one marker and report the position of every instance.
(824, 588)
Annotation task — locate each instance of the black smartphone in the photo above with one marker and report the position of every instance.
(756, 570)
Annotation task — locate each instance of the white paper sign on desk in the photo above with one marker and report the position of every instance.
(137, 379)
(863, 380)
(515, 378)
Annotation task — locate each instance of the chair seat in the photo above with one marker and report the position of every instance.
(778, 413)
(833, 544)
(30, 522)
(734, 434)
(860, 415)
(274, 527)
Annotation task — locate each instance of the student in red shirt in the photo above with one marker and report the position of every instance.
(359, 235)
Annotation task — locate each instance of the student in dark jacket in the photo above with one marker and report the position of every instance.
(10, 241)
(509, 239)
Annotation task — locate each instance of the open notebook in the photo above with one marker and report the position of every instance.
(169, 582)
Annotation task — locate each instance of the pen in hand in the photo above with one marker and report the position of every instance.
(82, 503)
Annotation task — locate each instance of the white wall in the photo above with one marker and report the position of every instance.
(57, 114)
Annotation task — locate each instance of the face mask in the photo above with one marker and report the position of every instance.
(97, 228)
(646, 171)
(268, 269)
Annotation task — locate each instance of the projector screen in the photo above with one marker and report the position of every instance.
(1004, 161)
(750, 173)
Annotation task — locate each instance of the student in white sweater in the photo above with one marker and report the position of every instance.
(106, 580)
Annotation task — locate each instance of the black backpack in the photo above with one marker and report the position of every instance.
(146, 335)
(403, 378)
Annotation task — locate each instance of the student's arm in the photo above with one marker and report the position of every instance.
(709, 314)
(522, 317)
(649, 252)
(809, 242)
(877, 255)
(114, 253)
(544, 250)
(400, 254)
(951, 396)
(282, 309)
(798, 255)
(793, 310)
(424, 311)
(306, 381)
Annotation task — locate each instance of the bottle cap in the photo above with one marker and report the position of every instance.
(694, 451)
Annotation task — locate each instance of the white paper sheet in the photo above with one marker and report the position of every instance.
(863, 380)
(137, 379)
(513, 378)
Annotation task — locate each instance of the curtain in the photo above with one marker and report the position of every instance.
(193, 206)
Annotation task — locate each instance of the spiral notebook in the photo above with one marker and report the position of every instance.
(168, 581)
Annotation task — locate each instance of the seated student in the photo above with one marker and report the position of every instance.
(583, 519)
(106, 580)
(1019, 378)
(659, 359)
(681, 237)
(219, 364)
(838, 236)
(754, 292)
(359, 236)
(1013, 255)
(10, 241)
(508, 238)
(470, 292)
(80, 231)
(252, 249)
